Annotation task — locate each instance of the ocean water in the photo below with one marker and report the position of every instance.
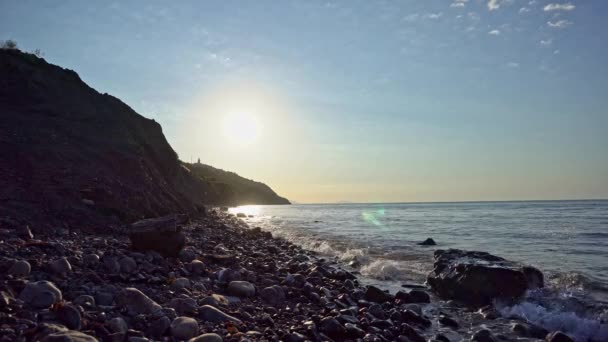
(567, 240)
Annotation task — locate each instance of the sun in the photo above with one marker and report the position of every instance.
(241, 128)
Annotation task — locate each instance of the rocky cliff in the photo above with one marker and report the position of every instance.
(70, 156)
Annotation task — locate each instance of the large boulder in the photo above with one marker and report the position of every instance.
(162, 235)
(477, 278)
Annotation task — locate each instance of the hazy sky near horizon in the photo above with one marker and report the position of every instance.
(364, 101)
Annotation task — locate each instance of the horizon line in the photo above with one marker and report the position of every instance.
(445, 202)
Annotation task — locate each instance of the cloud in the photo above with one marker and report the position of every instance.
(524, 10)
(458, 3)
(547, 42)
(434, 16)
(494, 33)
(495, 4)
(512, 65)
(560, 24)
(559, 7)
(411, 17)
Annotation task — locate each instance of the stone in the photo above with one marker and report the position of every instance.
(210, 314)
(412, 334)
(241, 288)
(184, 328)
(529, 330)
(128, 265)
(84, 300)
(137, 302)
(40, 295)
(274, 295)
(90, 260)
(117, 325)
(483, 335)
(187, 254)
(428, 242)
(419, 296)
(111, 264)
(20, 268)
(209, 337)
(332, 327)
(60, 266)
(374, 294)
(159, 234)
(181, 283)
(227, 275)
(184, 305)
(558, 336)
(477, 278)
(69, 316)
(69, 336)
(448, 321)
(158, 327)
(104, 298)
(377, 311)
(197, 267)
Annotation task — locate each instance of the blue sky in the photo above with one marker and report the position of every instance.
(356, 100)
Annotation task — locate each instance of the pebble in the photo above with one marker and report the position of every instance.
(69, 316)
(210, 314)
(181, 283)
(128, 265)
(60, 266)
(41, 294)
(210, 337)
(137, 302)
(69, 336)
(90, 260)
(197, 267)
(184, 328)
(274, 295)
(20, 268)
(158, 327)
(241, 288)
(118, 325)
(184, 305)
(84, 300)
(558, 336)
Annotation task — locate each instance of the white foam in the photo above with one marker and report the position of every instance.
(580, 328)
(382, 270)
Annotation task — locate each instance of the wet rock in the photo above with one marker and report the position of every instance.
(24, 232)
(448, 321)
(275, 295)
(428, 242)
(69, 316)
(118, 325)
(60, 266)
(184, 305)
(374, 294)
(529, 330)
(20, 268)
(413, 318)
(411, 333)
(477, 278)
(69, 336)
(414, 296)
(209, 337)
(160, 234)
(483, 335)
(184, 328)
(40, 295)
(558, 336)
(210, 314)
(128, 265)
(241, 288)
(137, 302)
(377, 311)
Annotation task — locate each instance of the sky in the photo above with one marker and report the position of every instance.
(360, 101)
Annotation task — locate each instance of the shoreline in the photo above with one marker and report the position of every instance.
(268, 288)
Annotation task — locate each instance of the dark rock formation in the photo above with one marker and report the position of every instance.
(428, 242)
(161, 234)
(477, 278)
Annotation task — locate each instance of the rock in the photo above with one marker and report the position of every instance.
(410, 316)
(274, 295)
(558, 336)
(137, 302)
(241, 288)
(184, 328)
(377, 311)
(428, 242)
(477, 278)
(69, 336)
(104, 298)
(159, 327)
(187, 254)
(184, 305)
(181, 283)
(90, 260)
(374, 294)
(241, 215)
(210, 337)
(529, 330)
(448, 321)
(210, 314)
(197, 267)
(159, 234)
(111, 264)
(20, 268)
(411, 333)
(118, 325)
(414, 296)
(227, 275)
(332, 328)
(483, 335)
(295, 337)
(40, 295)
(69, 316)
(84, 300)
(61, 266)
(128, 265)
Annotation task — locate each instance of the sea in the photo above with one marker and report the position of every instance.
(566, 240)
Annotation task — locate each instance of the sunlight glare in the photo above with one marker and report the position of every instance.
(241, 128)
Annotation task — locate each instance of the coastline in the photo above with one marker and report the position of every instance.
(268, 288)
